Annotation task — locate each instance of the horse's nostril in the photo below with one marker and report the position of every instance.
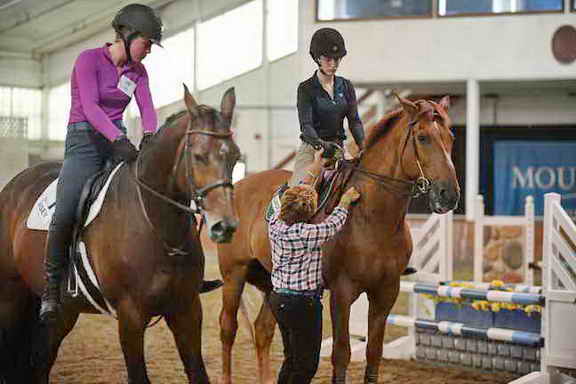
(224, 228)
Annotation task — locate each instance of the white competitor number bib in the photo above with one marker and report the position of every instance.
(126, 85)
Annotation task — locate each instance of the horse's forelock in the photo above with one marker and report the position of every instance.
(213, 117)
(426, 110)
(205, 113)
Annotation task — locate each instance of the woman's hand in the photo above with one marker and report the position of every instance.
(350, 196)
(324, 162)
(123, 150)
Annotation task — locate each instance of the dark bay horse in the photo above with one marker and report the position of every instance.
(409, 148)
(144, 247)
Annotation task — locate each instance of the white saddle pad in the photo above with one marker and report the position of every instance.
(43, 209)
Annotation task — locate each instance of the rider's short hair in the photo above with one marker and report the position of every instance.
(298, 204)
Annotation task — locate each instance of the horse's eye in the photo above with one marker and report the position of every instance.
(424, 139)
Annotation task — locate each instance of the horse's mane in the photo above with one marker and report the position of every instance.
(382, 127)
(171, 119)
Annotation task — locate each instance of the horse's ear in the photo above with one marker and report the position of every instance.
(409, 107)
(191, 104)
(445, 102)
(228, 103)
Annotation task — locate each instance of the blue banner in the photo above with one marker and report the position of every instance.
(523, 168)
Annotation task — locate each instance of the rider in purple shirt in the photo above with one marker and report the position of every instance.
(103, 82)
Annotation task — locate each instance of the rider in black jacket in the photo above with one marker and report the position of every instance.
(324, 100)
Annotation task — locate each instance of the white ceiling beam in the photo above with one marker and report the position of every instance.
(85, 28)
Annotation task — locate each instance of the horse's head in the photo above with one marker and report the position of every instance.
(204, 159)
(191, 158)
(426, 151)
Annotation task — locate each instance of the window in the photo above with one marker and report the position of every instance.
(459, 7)
(59, 100)
(371, 9)
(282, 28)
(24, 103)
(230, 44)
(168, 68)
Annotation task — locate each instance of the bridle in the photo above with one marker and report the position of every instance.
(197, 194)
(413, 189)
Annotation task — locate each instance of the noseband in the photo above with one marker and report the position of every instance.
(413, 189)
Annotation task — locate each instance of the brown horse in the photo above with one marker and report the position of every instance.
(409, 149)
(144, 246)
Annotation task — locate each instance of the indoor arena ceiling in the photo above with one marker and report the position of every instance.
(32, 28)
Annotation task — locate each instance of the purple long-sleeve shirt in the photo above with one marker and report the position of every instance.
(97, 99)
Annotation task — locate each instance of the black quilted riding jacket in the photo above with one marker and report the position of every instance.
(322, 116)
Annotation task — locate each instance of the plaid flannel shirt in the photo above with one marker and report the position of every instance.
(297, 253)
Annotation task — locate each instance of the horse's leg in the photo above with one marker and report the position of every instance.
(17, 325)
(264, 327)
(53, 335)
(342, 295)
(381, 303)
(131, 327)
(231, 293)
(186, 326)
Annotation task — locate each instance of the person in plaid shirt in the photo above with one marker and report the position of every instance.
(297, 274)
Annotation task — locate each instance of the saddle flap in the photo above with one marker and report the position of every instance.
(93, 194)
(92, 197)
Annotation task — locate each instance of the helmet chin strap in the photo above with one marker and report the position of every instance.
(320, 67)
(127, 43)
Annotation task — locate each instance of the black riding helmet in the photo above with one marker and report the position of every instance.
(137, 19)
(327, 42)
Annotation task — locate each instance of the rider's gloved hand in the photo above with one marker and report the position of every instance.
(330, 148)
(123, 150)
(145, 140)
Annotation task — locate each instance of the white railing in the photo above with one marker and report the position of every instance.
(559, 283)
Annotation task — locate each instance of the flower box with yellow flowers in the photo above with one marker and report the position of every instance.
(485, 314)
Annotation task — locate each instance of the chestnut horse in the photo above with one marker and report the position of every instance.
(408, 150)
(144, 247)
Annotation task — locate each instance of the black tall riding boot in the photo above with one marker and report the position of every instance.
(55, 264)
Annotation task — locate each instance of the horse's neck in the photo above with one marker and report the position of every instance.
(157, 165)
(156, 170)
(383, 205)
